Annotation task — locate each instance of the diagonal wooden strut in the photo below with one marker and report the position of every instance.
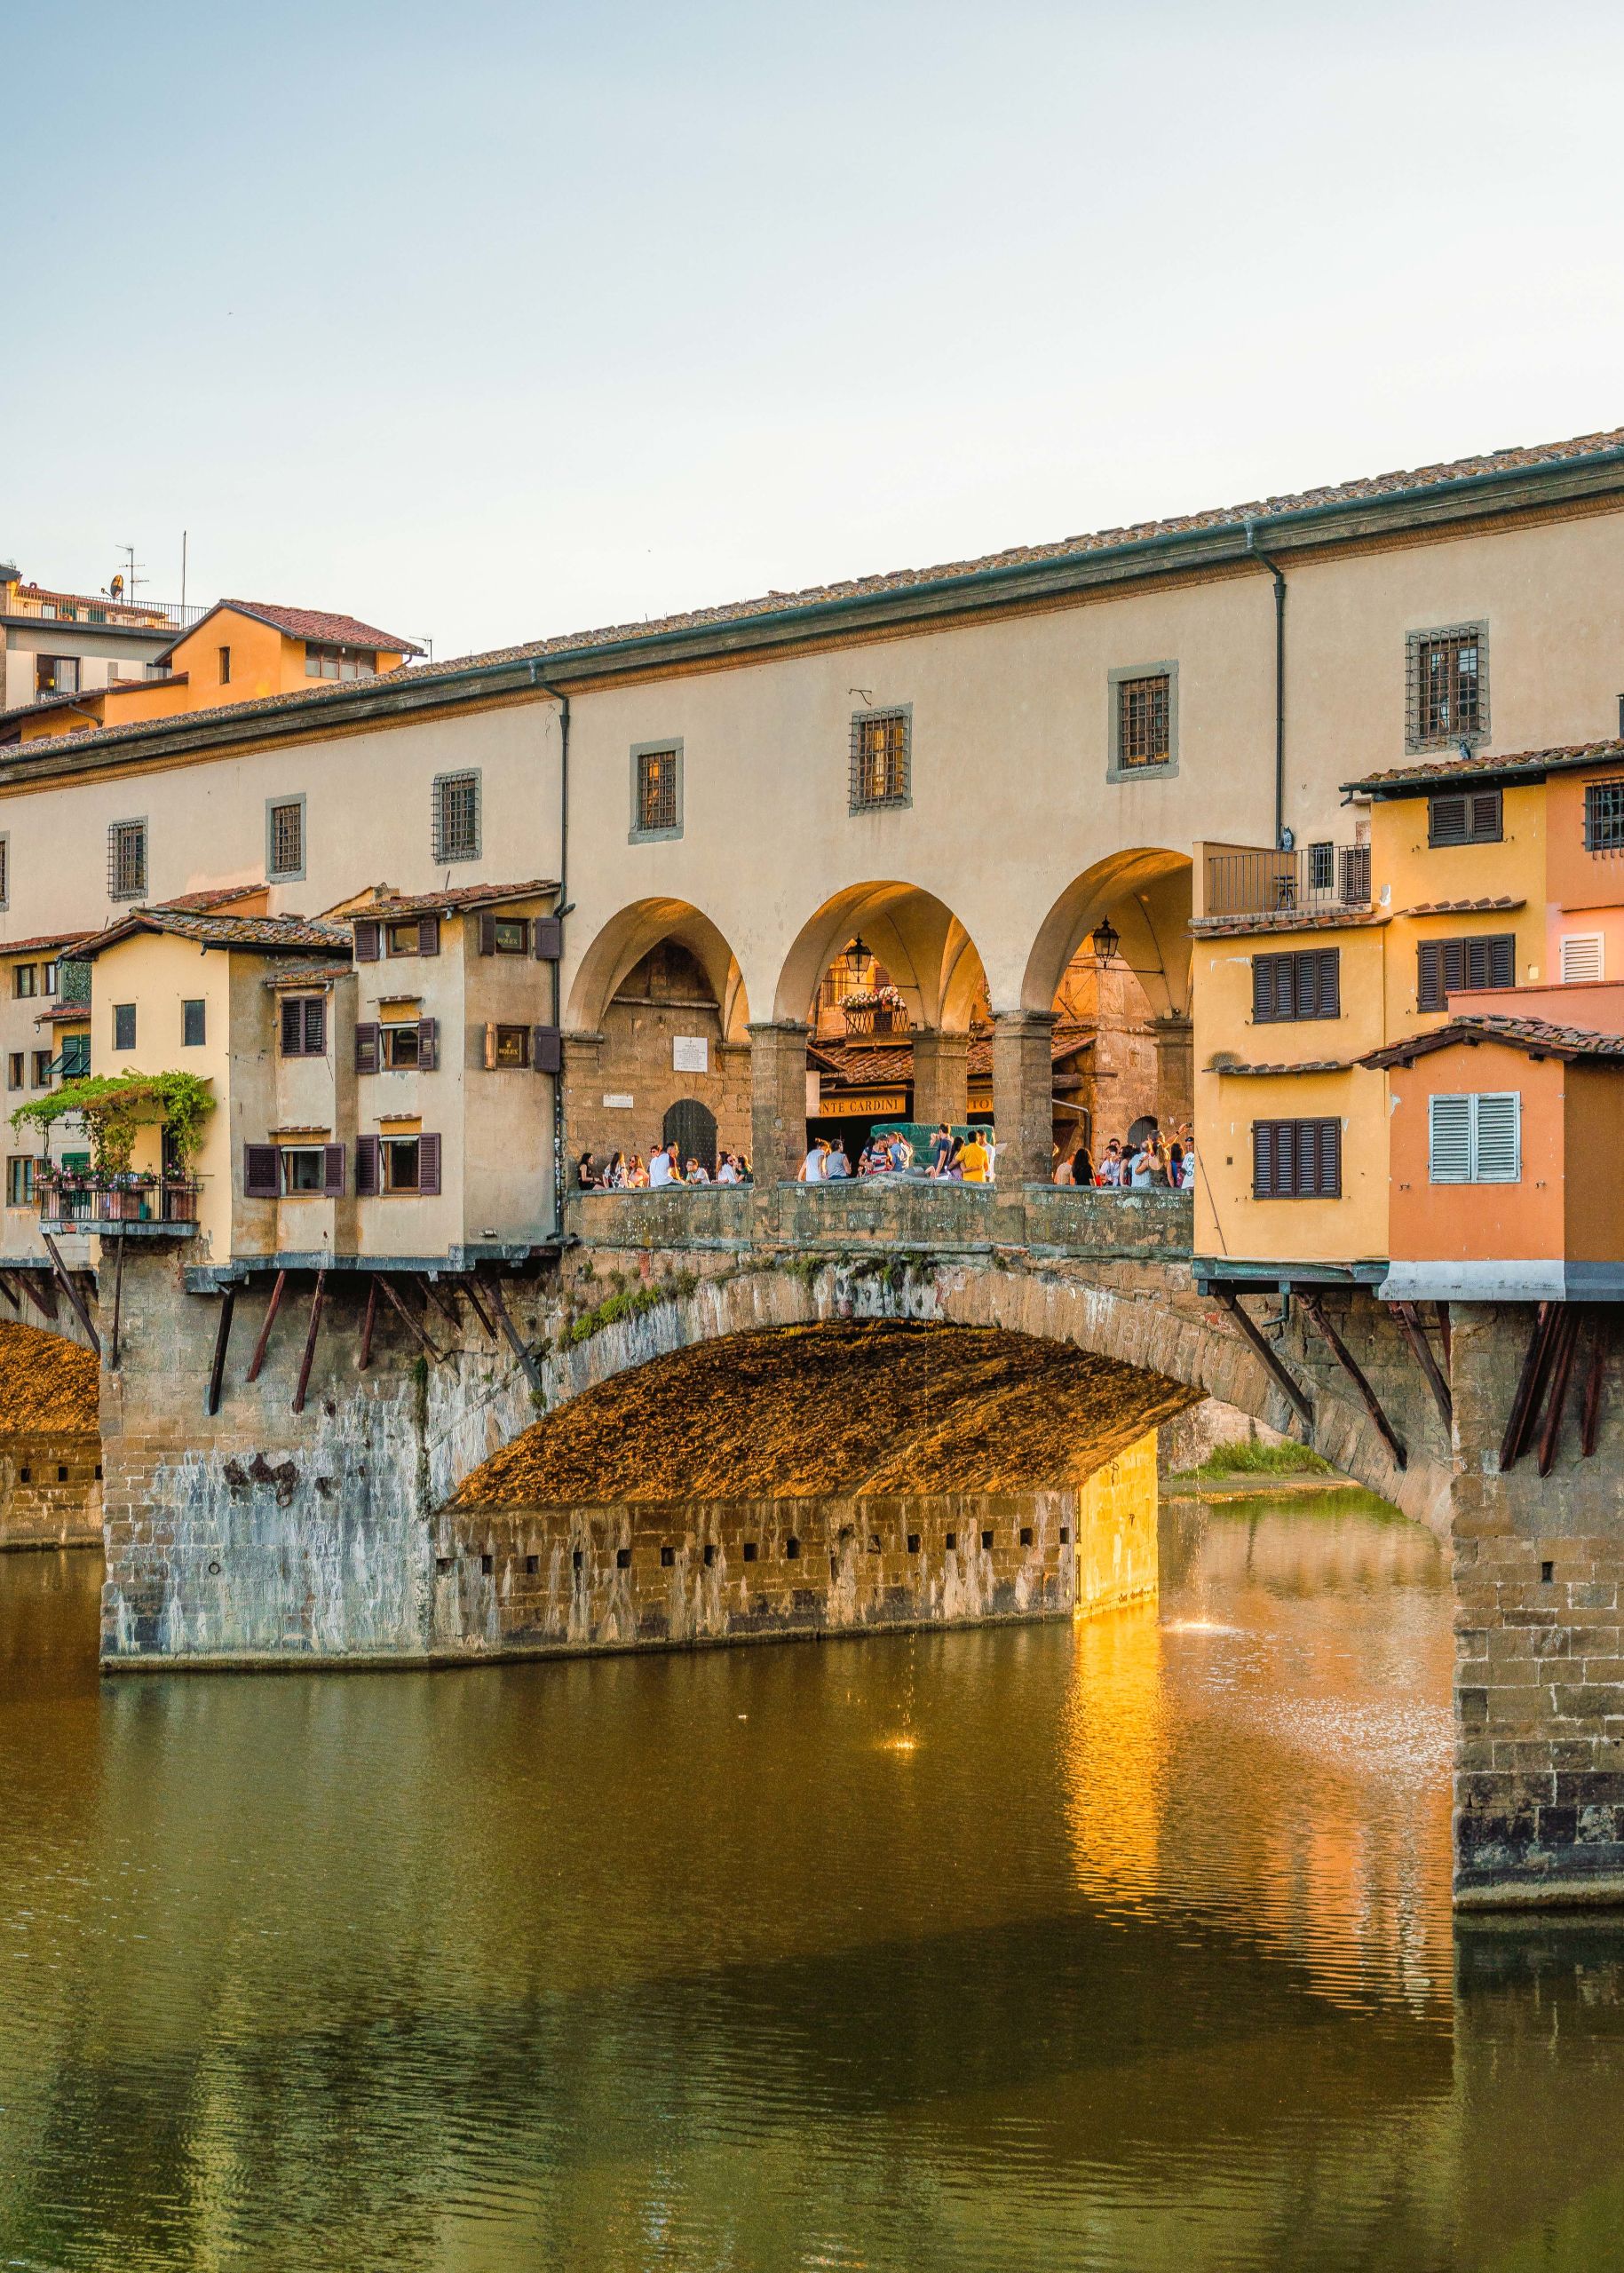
(228, 1303)
(1562, 1365)
(72, 1293)
(1525, 1401)
(516, 1341)
(409, 1322)
(367, 1324)
(1601, 1323)
(1265, 1348)
(318, 1297)
(1414, 1333)
(271, 1307)
(1345, 1360)
(118, 1301)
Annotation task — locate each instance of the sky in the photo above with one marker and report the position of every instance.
(491, 322)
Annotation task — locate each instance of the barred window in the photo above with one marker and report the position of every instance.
(127, 860)
(1604, 816)
(456, 817)
(656, 789)
(285, 838)
(5, 871)
(1321, 868)
(880, 758)
(1144, 715)
(1448, 685)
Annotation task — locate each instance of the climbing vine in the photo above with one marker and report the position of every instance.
(113, 1106)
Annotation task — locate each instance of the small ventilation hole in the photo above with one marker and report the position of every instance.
(488, 1563)
(913, 1543)
(578, 1560)
(792, 1549)
(987, 1538)
(953, 1540)
(1065, 1534)
(533, 1564)
(1026, 1534)
(709, 1556)
(1548, 1571)
(668, 1556)
(622, 1558)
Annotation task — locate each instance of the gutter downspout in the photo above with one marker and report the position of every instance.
(1274, 569)
(562, 907)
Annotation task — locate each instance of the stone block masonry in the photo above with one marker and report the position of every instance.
(49, 1491)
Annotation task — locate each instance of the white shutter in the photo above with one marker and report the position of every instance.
(1581, 957)
(1449, 1150)
(1497, 1137)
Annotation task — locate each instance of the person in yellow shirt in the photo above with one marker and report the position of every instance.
(973, 1160)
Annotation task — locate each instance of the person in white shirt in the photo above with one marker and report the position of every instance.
(662, 1168)
(811, 1166)
(727, 1173)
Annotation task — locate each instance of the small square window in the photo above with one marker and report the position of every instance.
(533, 1564)
(881, 758)
(123, 1025)
(749, 1550)
(656, 791)
(986, 1540)
(42, 1069)
(194, 1024)
(488, 1564)
(951, 1542)
(622, 1558)
(668, 1557)
(792, 1549)
(1026, 1534)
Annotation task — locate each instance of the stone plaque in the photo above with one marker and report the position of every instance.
(690, 1054)
(620, 1103)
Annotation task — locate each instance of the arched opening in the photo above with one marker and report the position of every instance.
(1111, 964)
(657, 1037)
(893, 994)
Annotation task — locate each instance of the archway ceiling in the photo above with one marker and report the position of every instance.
(1146, 893)
(929, 954)
(835, 1410)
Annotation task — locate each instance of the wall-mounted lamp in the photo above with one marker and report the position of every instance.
(1107, 940)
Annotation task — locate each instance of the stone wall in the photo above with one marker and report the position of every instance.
(49, 1491)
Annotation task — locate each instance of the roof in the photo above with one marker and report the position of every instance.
(1539, 1036)
(269, 934)
(64, 1014)
(307, 623)
(44, 939)
(307, 974)
(1337, 919)
(1502, 907)
(199, 903)
(1302, 1065)
(441, 903)
(1523, 764)
(1497, 480)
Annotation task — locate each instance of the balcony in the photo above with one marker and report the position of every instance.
(32, 604)
(143, 1204)
(1317, 880)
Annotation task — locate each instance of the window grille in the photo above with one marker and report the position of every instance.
(1604, 817)
(1304, 984)
(657, 788)
(1581, 958)
(5, 871)
(1444, 967)
(1448, 687)
(127, 860)
(456, 817)
(288, 838)
(880, 759)
(1296, 1160)
(1321, 868)
(1144, 716)
(1475, 1139)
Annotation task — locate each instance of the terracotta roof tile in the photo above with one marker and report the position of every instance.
(1501, 907)
(44, 939)
(442, 903)
(1305, 1066)
(309, 623)
(269, 934)
(307, 974)
(64, 1014)
(1444, 772)
(1237, 927)
(1539, 1036)
(199, 903)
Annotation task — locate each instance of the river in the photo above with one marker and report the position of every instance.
(1125, 1944)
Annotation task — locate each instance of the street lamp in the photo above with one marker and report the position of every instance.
(857, 957)
(1107, 940)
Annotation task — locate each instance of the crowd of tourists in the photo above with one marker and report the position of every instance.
(1149, 1165)
(631, 1172)
(971, 1159)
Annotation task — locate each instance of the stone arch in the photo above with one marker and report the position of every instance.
(922, 943)
(621, 943)
(1146, 894)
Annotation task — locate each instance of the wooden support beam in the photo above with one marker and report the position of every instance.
(271, 1308)
(217, 1372)
(432, 1294)
(477, 1304)
(118, 1302)
(368, 1323)
(1441, 1310)
(1345, 1360)
(9, 1291)
(1562, 1365)
(515, 1340)
(41, 1292)
(318, 1297)
(1414, 1333)
(1591, 1414)
(410, 1323)
(1525, 1401)
(1293, 1395)
(72, 1293)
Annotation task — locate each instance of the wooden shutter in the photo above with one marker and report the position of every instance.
(1265, 994)
(293, 1026)
(488, 935)
(428, 1045)
(1485, 822)
(368, 942)
(1447, 819)
(259, 1177)
(367, 1046)
(1327, 1169)
(1262, 1160)
(1326, 983)
(428, 1165)
(428, 935)
(1497, 1137)
(332, 1160)
(1449, 1139)
(547, 939)
(548, 1049)
(315, 1026)
(365, 1166)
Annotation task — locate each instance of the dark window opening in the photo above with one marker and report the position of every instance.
(1604, 817)
(456, 817)
(1449, 686)
(792, 1549)
(398, 1047)
(123, 1025)
(127, 860)
(224, 654)
(951, 1542)
(622, 1558)
(533, 1564)
(749, 1550)
(193, 1024)
(1026, 1534)
(488, 1563)
(288, 838)
(709, 1556)
(987, 1538)
(668, 1557)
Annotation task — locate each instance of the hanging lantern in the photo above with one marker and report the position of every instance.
(858, 958)
(1107, 940)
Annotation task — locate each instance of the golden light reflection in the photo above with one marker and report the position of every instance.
(1116, 1743)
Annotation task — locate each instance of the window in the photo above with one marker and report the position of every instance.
(48, 978)
(506, 1047)
(127, 860)
(42, 1060)
(1321, 868)
(1475, 1139)
(656, 791)
(25, 980)
(156, 670)
(284, 839)
(881, 758)
(311, 1171)
(1296, 1160)
(14, 1064)
(404, 1045)
(55, 674)
(504, 935)
(5, 871)
(324, 660)
(1142, 722)
(1466, 817)
(1444, 966)
(75, 1057)
(194, 1024)
(225, 664)
(407, 1164)
(1581, 958)
(1304, 984)
(304, 1025)
(456, 817)
(1448, 693)
(123, 1025)
(19, 1180)
(419, 936)
(1604, 817)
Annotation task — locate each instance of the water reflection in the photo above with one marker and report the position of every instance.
(1139, 1957)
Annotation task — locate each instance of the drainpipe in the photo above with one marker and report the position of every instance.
(1273, 569)
(561, 908)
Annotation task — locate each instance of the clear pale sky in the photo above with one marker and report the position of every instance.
(489, 320)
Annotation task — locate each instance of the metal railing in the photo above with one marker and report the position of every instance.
(77, 607)
(85, 1202)
(1320, 877)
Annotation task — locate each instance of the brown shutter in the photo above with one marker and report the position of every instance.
(259, 1179)
(549, 1049)
(1430, 975)
(547, 939)
(1329, 1184)
(428, 1044)
(488, 935)
(1448, 820)
(367, 1047)
(1454, 966)
(1486, 824)
(1263, 1011)
(366, 1165)
(315, 1026)
(1500, 960)
(1330, 983)
(368, 942)
(1262, 1160)
(428, 1165)
(428, 935)
(333, 1164)
(293, 1026)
